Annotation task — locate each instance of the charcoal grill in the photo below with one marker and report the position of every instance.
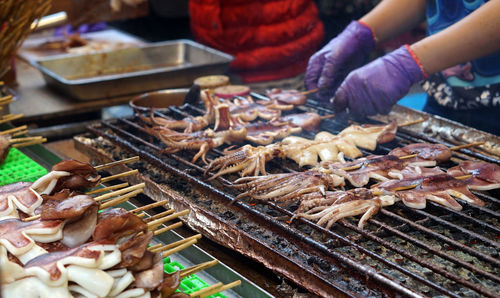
(401, 252)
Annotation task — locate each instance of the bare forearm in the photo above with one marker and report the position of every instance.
(393, 17)
(475, 36)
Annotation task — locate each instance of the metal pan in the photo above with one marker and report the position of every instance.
(133, 70)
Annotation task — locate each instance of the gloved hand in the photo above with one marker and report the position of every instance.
(377, 86)
(328, 67)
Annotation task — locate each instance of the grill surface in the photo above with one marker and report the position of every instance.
(430, 252)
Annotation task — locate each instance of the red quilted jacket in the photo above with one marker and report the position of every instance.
(270, 39)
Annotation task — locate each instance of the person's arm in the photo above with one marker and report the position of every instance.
(393, 17)
(474, 36)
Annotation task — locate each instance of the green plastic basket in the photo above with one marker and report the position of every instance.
(19, 167)
(191, 283)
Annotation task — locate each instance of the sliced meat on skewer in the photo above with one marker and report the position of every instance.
(290, 96)
(483, 175)
(414, 192)
(18, 196)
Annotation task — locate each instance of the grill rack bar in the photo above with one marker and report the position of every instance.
(157, 147)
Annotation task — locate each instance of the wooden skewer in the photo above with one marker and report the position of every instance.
(160, 215)
(15, 129)
(454, 148)
(6, 98)
(21, 132)
(31, 218)
(309, 91)
(216, 288)
(326, 116)
(120, 199)
(11, 117)
(118, 162)
(152, 225)
(464, 177)
(112, 187)
(120, 192)
(175, 244)
(409, 156)
(124, 174)
(167, 228)
(222, 289)
(404, 187)
(412, 122)
(29, 143)
(149, 206)
(141, 215)
(6, 102)
(178, 248)
(154, 246)
(24, 139)
(206, 290)
(197, 268)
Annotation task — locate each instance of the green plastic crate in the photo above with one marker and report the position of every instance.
(191, 283)
(19, 167)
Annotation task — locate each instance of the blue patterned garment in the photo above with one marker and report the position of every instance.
(468, 86)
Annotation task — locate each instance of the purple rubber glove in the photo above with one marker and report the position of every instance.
(328, 67)
(377, 86)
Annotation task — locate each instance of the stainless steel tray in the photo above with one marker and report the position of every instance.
(153, 66)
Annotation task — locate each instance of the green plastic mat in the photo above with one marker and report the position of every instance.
(19, 167)
(189, 284)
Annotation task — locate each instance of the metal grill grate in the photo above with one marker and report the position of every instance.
(411, 252)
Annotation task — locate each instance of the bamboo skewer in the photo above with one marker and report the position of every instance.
(153, 224)
(118, 162)
(112, 187)
(463, 177)
(21, 132)
(120, 175)
(149, 206)
(309, 91)
(175, 244)
(24, 139)
(120, 192)
(167, 228)
(15, 129)
(197, 268)
(178, 248)
(160, 215)
(454, 148)
(206, 290)
(5, 98)
(29, 143)
(10, 117)
(120, 199)
(154, 246)
(215, 288)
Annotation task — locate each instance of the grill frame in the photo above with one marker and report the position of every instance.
(310, 279)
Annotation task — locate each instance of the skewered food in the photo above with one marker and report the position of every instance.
(484, 176)
(260, 133)
(325, 146)
(415, 187)
(241, 110)
(282, 187)
(69, 174)
(291, 96)
(18, 196)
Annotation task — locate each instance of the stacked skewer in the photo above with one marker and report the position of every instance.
(73, 213)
